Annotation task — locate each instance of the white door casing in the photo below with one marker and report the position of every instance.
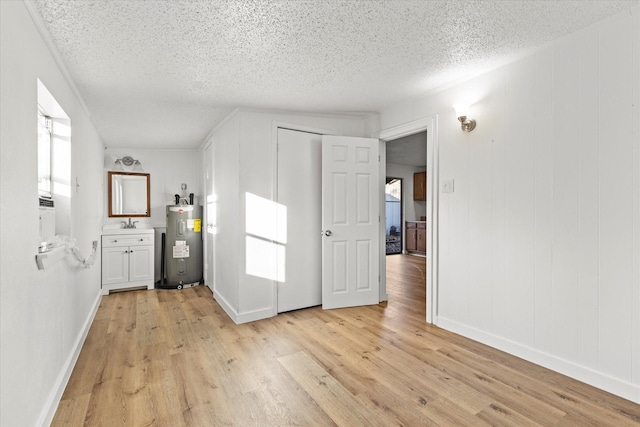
(430, 125)
(350, 221)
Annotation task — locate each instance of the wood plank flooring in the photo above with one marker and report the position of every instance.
(173, 358)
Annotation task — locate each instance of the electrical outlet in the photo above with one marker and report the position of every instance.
(447, 186)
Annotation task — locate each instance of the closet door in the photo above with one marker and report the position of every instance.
(299, 192)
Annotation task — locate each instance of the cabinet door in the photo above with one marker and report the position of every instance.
(115, 265)
(419, 186)
(421, 245)
(411, 239)
(140, 263)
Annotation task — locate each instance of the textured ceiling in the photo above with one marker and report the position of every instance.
(163, 74)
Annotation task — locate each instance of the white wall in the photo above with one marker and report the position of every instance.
(44, 313)
(226, 178)
(168, 169)
(244, 161)
(540, 242)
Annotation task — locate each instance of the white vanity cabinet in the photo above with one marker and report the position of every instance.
(127, 260)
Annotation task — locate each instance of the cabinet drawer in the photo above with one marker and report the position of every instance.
(127, 240)
(422, 225)
(411, 225)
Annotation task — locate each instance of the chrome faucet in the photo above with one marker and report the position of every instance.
(129, 224)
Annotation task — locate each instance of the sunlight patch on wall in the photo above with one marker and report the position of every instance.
(266, 218)
(265, 259)
(266, 229)
(212, 214)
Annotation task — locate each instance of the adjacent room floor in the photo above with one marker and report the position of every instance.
(173, 358)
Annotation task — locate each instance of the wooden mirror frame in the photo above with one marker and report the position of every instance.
(109, 196)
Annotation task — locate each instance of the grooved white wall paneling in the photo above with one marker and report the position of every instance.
(540, 242)
(45, 314)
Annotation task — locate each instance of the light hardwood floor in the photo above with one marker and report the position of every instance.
(173, 358)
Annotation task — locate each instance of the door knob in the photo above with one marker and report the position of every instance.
(327, 233)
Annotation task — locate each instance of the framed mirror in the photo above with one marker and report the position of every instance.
(129, 194)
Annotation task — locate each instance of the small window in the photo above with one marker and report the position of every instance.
(54, 162)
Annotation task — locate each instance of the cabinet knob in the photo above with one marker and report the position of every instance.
(142, 240)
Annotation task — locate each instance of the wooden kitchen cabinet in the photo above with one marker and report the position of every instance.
(420, 186)
(416, 235)
(421, 237)
(412, 238)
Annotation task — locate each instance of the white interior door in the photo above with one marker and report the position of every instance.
(350, 221)
(299, 184)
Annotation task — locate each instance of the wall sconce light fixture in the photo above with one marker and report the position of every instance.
(128, 161)
(462, 110)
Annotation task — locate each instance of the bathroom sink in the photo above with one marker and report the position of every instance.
(118, 229)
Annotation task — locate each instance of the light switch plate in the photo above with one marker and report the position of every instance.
(447, 186)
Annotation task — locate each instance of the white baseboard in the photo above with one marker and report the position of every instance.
(571, 369)
(225, 306)
(239, 318)
(252, 316)
(47, 414)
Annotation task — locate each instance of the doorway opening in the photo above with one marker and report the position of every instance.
(393, 214)
(406, 210)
